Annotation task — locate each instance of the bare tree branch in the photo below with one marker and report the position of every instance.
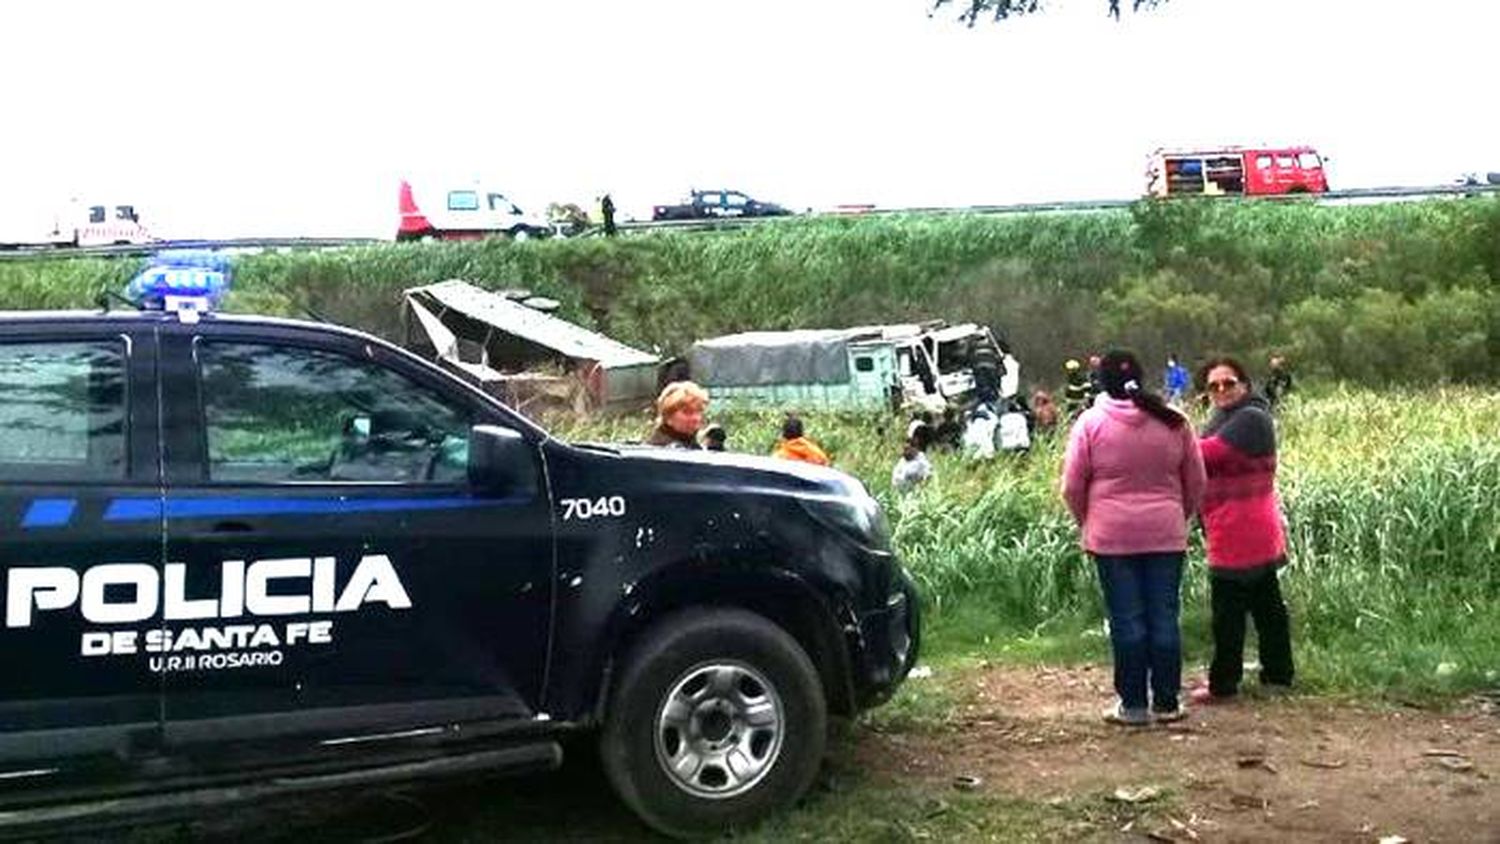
(1002, 9)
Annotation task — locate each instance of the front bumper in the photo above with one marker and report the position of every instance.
(890, 640)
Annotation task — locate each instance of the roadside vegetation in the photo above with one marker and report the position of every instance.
(1398, 292)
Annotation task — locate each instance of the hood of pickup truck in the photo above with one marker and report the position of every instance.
(736, 469)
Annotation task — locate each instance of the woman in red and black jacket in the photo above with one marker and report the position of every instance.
(1243, 526)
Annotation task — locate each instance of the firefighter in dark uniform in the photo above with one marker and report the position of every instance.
(986, 368)
(1076, 393)
(1280, 382)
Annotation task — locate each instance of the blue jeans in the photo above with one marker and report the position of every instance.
(1141, 592)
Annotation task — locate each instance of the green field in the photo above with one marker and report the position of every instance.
(1391, 498)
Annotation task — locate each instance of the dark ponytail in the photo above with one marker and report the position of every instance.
(1121, 374)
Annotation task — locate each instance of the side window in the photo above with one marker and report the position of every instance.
(96, 214)
(952, 356)
(126, 212)
(62, 410)
(1309, 161)
(864, 364)
(1285, 161)
(463, 200)
(737, 198)
(1262, 162)
(279, 414)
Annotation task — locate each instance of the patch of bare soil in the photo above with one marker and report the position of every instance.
(1258, 769)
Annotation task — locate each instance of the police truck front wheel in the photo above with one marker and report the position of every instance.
(718, 719)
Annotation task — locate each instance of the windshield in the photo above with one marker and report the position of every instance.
(955, 355)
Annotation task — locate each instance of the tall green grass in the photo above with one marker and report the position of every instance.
(1393, 505)
(1404, 291)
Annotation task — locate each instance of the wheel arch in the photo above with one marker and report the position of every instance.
(780, 596)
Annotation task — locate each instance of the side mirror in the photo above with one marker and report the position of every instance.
(500, 461)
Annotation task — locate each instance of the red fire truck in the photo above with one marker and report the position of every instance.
(1236, 171)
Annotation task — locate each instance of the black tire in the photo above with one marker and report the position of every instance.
(670, 658)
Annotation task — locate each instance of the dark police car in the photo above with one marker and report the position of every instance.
(712, 204)
(245, 556)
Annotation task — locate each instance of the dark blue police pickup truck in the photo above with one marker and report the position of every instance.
(247, 556)
(713, 204)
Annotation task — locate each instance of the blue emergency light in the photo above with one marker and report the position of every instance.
(187, 282)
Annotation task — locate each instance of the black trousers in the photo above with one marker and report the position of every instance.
(1258, 596)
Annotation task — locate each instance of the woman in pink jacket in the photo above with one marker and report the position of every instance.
(1132, 477)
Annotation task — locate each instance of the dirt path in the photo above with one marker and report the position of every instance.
(1296, 769)
(1258, 770)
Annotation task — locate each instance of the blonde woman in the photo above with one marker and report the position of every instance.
(679, 415)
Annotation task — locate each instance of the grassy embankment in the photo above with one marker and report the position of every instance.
(1374, 293)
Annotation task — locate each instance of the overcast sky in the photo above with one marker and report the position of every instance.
(257, 118)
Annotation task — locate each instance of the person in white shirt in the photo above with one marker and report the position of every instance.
(912, 469)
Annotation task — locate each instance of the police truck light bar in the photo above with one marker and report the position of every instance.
(184, 281)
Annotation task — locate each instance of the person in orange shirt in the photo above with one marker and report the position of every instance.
(795, 445)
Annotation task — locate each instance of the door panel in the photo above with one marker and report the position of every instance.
(329, 566)
(77, 432)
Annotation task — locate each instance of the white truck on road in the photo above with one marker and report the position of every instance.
(74, 223)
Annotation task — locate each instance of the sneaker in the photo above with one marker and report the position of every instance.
(1204, 696)
(1124, 716)
(1167, 716)
(1275, 689)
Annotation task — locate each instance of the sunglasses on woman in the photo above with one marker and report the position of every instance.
(1223, 386)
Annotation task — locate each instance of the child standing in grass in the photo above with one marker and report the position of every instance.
(1131, 477)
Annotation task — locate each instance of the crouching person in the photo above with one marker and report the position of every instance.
(912, 470)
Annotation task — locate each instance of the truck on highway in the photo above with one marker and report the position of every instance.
(1235, 171)
(74, 223)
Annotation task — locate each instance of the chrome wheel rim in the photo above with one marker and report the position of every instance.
(719, 730)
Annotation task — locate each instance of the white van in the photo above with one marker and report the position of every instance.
(462, 210)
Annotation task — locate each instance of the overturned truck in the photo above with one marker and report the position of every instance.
(507, 345)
